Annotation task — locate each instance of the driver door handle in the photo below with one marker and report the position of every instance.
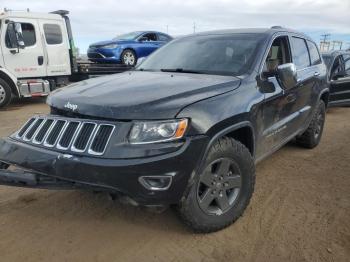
(316, 73)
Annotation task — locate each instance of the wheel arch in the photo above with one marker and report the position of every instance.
(324, 96)
(242, 132)
(10, 80)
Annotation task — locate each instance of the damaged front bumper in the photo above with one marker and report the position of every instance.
(43, 168)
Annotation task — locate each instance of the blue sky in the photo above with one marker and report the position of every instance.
(94, 21)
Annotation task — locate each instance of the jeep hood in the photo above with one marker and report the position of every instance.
(139, 95)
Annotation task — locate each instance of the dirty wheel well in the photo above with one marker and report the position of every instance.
(8, 80)
(245, 136)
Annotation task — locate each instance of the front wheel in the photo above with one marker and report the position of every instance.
(129, 57)
(5, 93)
(220, 194)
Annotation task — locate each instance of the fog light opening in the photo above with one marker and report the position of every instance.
(156, 183)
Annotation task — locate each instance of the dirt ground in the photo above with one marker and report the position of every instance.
(300, 211)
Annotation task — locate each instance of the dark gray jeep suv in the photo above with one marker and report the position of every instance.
(185, 128)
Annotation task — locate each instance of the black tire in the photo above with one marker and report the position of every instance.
(213, 218)
(312, 136)
(5, 93)
(129, 57)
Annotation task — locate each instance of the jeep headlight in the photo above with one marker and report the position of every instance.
(110, 46)
(157, 131)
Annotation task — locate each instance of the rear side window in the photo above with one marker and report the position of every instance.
(314, 54)
(162, 37)
(28, 33)
(300, 53)
(53, 34)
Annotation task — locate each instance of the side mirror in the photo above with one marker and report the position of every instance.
(19, 35)
(14, 31)
(287, 74)
(143, 39)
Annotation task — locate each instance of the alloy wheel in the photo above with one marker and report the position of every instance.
(219, 186)
(2, 94)
(129, 58)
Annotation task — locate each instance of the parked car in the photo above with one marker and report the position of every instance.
(338, 65)
(184, 128)
(127, 48)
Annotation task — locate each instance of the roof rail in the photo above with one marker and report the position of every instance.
(60, 12)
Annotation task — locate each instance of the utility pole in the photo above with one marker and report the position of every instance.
(167, 29)
(324, 43)
(194, 27)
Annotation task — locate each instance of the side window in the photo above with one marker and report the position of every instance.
(314, 54)
(279, 54)
(28, 32)
(300, 53)
(53, 34)
(150, 37)
(347, 63)
(162, 37)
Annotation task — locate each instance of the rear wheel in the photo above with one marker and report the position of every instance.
(312, 136)
(222, 191)
(5, 93)
(129, 57)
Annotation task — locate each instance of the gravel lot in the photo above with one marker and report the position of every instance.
(300, 211)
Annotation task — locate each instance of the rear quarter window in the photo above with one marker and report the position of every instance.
(53, 34)
(314, 54)
(300, 53)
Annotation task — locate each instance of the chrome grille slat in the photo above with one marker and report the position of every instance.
(100, 139)
(66, 139)
(83, 137)
(43, 130)
(32, 130)
(69, 134)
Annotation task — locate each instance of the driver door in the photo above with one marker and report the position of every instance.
(340, 81)
(150, 44)
(27, 62)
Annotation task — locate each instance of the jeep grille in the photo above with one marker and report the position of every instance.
(67, 134)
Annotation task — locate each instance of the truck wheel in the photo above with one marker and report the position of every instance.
(312, 136)
(5, 93)
(220, 194)
(129, 57)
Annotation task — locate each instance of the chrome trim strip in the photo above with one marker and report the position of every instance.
(92, 152)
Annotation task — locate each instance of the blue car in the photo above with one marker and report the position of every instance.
(127, 48)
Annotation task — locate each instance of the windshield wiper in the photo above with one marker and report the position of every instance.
(181, 70)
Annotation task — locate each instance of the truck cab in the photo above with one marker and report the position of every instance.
(35, 53)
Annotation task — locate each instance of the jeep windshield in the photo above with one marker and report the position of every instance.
(128, 36)
(232, 54)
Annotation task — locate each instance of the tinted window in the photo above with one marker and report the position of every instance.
(53, 34)
(314, 54)
(28, 33)
(162, 37)
(210, 54)
(300, 53)
(279, 54)
(347, 62)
